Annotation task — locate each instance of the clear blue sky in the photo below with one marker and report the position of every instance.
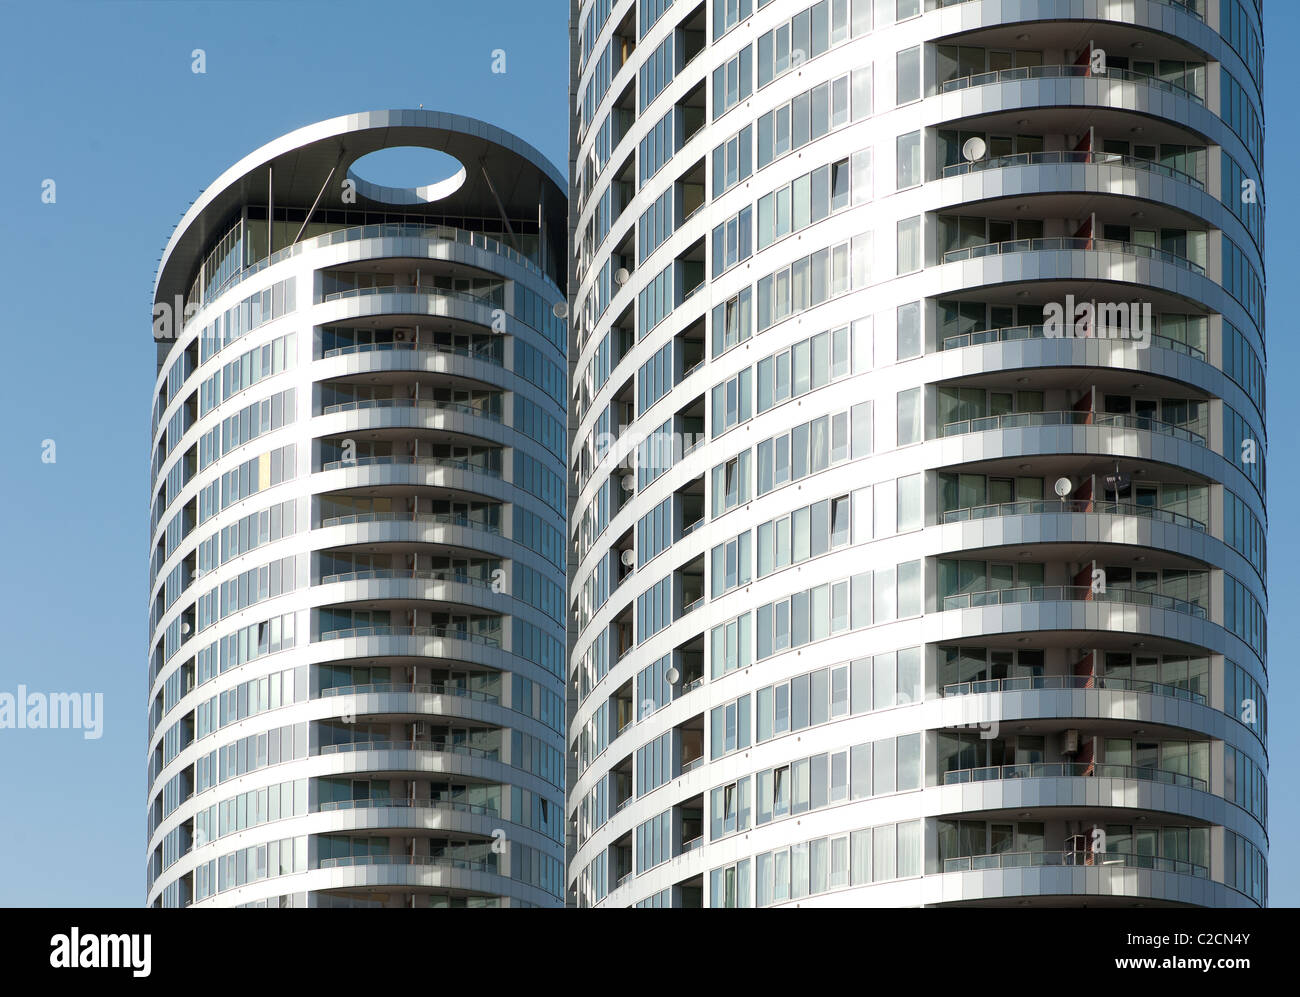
(100, 98)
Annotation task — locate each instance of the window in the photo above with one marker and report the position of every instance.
(731, 484)
(732, 241)
(730, 565)
(909, 244)
(726, 15)
(909, 330)
(909, 417)
(806, 449)
(908, 75)
(729, 646)
(729, 808)
(731, 402)
(729, 728)
(732, 161)
(908, 162)
(733, 82)
(732, 322)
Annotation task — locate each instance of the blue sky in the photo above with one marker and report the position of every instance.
(101, 99)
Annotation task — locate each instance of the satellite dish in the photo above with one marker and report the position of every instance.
(629, 483)
(1063, 487)
(560, 309)
(974, 149)
(621, 276)
(672, 676)
(628, 557)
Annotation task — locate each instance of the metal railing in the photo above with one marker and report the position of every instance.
(391, 745)
(1021, 860)
(445, 633)
(1016, 333)
(458, 577)
(1065, 158)
(1072, 770)
(405, 803)
(425, 860)
(423, 518)
(488, 354)
(1052, 507)
(1067, 72)
(1071, 244)
(363, 404)
(386, 460)
(1025, 683)
(423, 688)
(1072, 593)
(1020, 420)
(493, 299)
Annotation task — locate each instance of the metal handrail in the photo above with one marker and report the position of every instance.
(1071, 593)
(1051, 507)
(436, 518)
(1025, 683)
(1016, 333)
(1072, 417)
(1071, 770)
(1071, 244)
(1056, 158)
(1066, 72)
(1070, 858)
(446, 633)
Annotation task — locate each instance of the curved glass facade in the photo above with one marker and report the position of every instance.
(357, 566)
(917, 514)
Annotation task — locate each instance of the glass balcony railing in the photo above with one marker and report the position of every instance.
(1015, 333)
(1067, 72)
(364, 404)
(1022, 420)
(445, 633)
(1027, 683)
(381, 231)
(1058, 507)
(458, 577)
(1071, 244)
(1082, 158)
(416, 860)
(406, 460)
(493, 299)
(491, 754)
(404, 803)
(1122, 860)
(407, 687)
(1072, 593)
(1193, 7)
(488, 354)
(1072, 770)
(422, 518)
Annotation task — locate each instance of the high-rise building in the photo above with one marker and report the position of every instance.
(917, 509)
(356, 624)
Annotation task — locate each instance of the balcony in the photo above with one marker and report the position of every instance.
(1028, 683)
(1072, 770)
(1072, 593)
(1062, 158)
(1072, 244)
(1023, 420)
(1059, 507)
(1017, 333)
(1025, 860)
(1066, 72)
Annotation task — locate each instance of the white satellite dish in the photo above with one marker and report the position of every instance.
(629, 483)
(560, 310)
(628, 557)
(621, 276)
(974, 149)
(1063, 487)
(672, 676)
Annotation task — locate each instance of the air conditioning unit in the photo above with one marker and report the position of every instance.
(1071, 742)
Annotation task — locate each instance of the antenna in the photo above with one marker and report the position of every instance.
(973, 150)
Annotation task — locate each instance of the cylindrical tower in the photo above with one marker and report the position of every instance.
(356, 620)
(918, 518)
